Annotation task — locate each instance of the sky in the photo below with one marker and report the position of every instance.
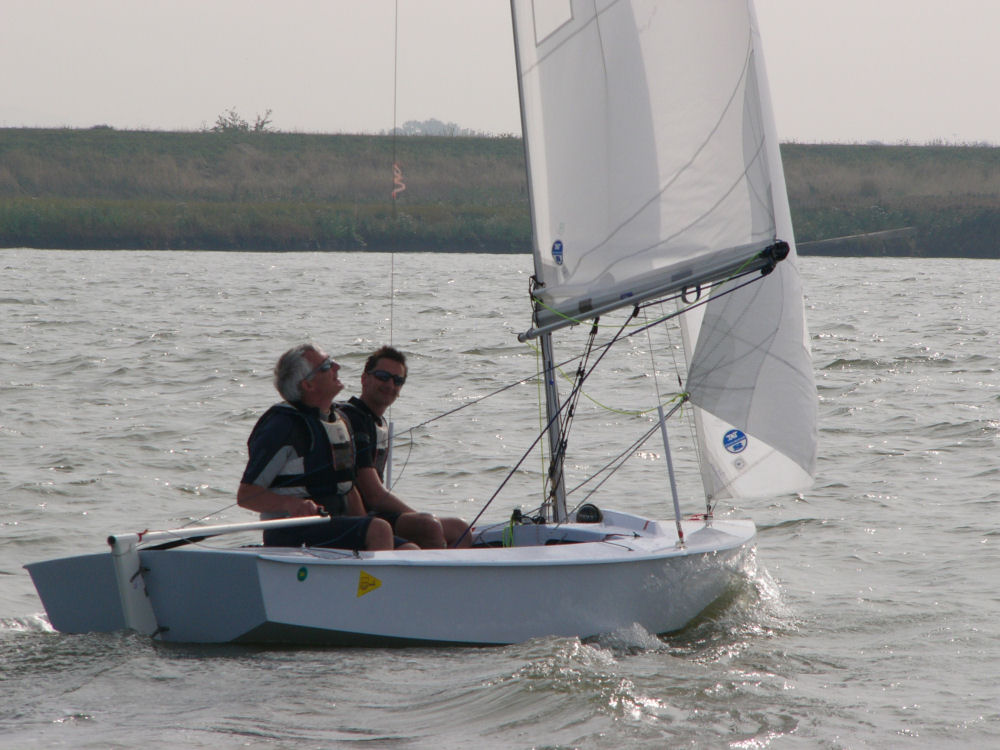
(844, 71)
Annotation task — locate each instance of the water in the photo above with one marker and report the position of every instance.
(130, 381)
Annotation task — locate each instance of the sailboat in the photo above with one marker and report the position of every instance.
(655, 178)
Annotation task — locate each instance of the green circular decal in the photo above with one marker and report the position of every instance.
(301, 575)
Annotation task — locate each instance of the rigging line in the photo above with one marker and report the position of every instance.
(583, 372)
(556, 473)
(605, 345)
(260, 491)
(395, 97)
(690, 422)
(634, 446)
(670, 347)
(475, 401)
(540, 400)
(622, 458)
(661, 422)
(531, 447)
(663, 318)
(576, 390)
(512, 471)
(652, 354)
(209, 515)
(536, 376)
(606, 348)
(399, 475)
(599, 404)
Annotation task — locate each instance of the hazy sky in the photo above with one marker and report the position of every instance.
(840, 70)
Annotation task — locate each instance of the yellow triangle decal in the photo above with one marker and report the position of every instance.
(367, 583)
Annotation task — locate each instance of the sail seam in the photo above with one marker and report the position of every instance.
(741, 79)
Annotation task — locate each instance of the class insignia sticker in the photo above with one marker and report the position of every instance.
(735, 441)
(367, 583)
(557, 252)
(302, 573)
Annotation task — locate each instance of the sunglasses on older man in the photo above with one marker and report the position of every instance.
(385, 377)
(325, 366)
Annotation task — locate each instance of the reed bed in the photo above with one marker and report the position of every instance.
(102, 188)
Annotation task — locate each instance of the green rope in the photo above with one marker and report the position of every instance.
(613, 410)
(508, 533)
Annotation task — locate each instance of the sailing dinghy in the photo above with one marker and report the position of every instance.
(655, 179)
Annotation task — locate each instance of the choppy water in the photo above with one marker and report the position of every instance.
(130, 380)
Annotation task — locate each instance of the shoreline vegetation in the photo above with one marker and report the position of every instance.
(102, 188)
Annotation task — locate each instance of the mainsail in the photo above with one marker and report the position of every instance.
(654, 167)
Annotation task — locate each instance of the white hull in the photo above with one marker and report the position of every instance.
(482, 595)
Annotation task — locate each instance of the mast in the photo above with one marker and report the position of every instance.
(555, 503)
(554, 506)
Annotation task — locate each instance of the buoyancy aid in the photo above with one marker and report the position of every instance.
(381, 447)
(376, 431)
(329, 465)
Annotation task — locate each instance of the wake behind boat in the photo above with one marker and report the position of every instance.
(656, 188)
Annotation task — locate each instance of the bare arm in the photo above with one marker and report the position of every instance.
(376, 496)
(262, 500)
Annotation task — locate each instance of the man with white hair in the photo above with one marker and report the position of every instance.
(302, 463)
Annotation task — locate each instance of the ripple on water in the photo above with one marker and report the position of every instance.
(869, 619)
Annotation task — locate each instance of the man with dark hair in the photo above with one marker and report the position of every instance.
(302, 461)
(381, 382)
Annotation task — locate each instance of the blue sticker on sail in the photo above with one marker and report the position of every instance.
(557, 252)
(734, 441)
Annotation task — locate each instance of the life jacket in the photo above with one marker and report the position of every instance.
(381, 446)
(329, 466)
(376, 431)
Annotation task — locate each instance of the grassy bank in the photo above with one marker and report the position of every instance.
(103, 188)
(949, 195)
(259, 191)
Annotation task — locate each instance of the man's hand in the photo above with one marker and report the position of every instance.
(303, 507)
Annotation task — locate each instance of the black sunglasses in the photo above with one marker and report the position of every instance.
(323, 366)
(385, 377)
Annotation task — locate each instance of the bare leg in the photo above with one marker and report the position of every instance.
(423, 529)
(379, 535)
(454, 530)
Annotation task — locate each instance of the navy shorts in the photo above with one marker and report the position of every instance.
(386, 515)
(340, 532)
(390, 517)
